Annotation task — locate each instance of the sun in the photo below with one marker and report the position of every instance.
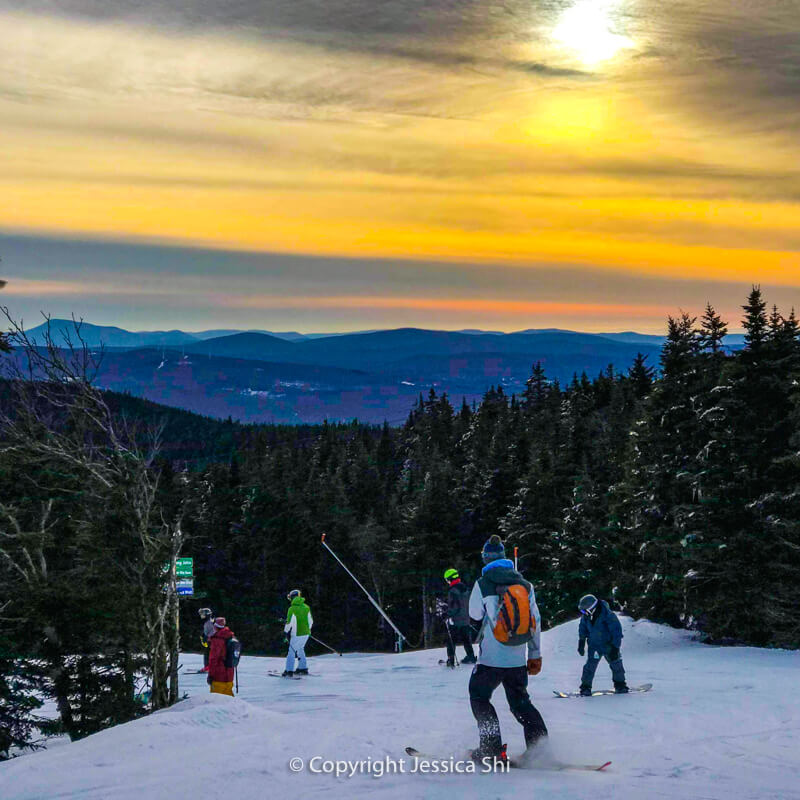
(589, 29)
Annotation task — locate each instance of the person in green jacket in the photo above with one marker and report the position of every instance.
(298, 628)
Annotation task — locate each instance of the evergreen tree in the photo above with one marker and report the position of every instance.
(641, 376)
(713, 331)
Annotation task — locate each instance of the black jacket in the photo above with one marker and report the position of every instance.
(458, 604)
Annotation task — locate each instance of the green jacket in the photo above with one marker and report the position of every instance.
(298, 618)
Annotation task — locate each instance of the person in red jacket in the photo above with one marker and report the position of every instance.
(220, 677)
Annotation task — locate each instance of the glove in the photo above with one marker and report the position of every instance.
(613, 653)
(209, 681)
(286, 640)
(534, 666)
(581, 647)
(449, 622)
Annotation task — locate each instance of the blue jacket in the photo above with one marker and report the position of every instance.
(601, 633)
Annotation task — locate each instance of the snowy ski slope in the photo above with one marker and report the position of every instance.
(719, 723)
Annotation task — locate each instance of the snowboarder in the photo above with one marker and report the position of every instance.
(505, 605)
(298, 628)
(601, 627)
(207, 621)
(220, 677)
(457, 619)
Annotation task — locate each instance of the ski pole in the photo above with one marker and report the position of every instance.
(236, 673)
(324, 645)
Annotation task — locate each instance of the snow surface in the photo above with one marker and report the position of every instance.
(719, 723)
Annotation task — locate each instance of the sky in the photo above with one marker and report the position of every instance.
(347, 164)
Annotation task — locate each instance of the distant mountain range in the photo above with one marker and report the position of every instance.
(289, 377)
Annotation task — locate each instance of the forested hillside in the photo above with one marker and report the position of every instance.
(671, 489)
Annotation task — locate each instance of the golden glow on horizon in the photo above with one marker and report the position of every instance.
(499, 307)
(21, 287)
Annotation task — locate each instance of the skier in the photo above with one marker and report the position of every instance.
(298, 628)
(207, 620)
(505, 605)
(220, 677)
(457, 620)
(601, 627)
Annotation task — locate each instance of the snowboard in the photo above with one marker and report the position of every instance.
(556, 766)
(645, 687)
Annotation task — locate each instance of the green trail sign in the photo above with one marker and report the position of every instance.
(184, 567)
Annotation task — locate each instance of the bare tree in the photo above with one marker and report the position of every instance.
(57, 422)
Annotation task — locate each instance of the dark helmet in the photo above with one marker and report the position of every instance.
(587, 604)
(205, 613)
(294, 593)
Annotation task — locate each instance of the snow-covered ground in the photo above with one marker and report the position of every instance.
(719, 723)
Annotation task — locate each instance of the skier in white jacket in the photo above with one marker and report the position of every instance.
(504, 661)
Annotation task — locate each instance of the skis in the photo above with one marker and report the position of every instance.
(645, 687)
(295, 677)
(556, 766)
(195, 672)
(560, 766)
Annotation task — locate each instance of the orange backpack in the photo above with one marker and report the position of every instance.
(515, 624)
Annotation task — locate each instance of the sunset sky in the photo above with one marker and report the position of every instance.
(321, 165)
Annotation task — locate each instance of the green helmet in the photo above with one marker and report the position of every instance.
(450, 574)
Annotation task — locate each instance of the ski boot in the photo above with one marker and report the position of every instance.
(287, 673)
(621, 688)
(469, 660)
(500, 758)
(450, 664)
(301, 672)
(586, 691)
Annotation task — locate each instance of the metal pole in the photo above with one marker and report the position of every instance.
(400, 638)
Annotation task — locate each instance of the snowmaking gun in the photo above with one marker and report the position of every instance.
(398, 645)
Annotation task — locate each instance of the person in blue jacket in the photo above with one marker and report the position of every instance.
(600, 626)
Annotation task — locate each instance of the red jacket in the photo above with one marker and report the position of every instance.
(217, 671)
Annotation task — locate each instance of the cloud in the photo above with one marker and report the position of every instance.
(430, 129)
